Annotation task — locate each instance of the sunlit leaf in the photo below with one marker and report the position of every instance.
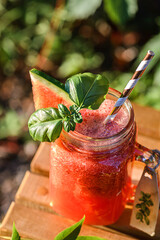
(10, 124)
(82, 9)
(15, 234)
(70, 233)
(117, 10)
(87, 90)
(152, 44)
(89, 238)
(8, 17)
(72, 64)
(45, 125)
(132, 7)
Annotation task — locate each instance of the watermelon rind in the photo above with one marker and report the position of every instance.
(50, 82)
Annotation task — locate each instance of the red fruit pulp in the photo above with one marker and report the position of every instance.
(45, 97)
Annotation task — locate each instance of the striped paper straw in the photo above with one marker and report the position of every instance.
(131, 84)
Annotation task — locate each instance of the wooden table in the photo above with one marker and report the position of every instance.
(33, 215)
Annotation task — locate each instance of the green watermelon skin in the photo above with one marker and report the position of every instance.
(47, 91)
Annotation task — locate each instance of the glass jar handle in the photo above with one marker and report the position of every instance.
(150, 157)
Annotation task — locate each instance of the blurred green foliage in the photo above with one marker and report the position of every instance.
(23, 27)
(102, 36)
(116, 58)
(10, 124)
(94, 37)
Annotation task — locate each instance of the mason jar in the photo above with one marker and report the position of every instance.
(92, 176)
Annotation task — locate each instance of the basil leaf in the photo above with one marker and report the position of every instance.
(74, 108)
(89, 238)
(77, 117)
(70, 233)
(15, 234)
(87, 90)
(63, 110)
(69, 125)
(45, 125)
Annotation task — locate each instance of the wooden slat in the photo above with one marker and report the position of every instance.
(148, 121)
(40, 225)
(151, 143)
(34, 192)
(40, 162)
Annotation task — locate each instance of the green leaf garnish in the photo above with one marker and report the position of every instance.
(76, 114)
(89, 238)
(72, 232)
(15, 234)
(63, 111)
(69, 125)
(45, 125)
(87, 89)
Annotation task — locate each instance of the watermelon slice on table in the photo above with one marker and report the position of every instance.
(47, 91)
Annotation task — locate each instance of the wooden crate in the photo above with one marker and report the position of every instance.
(35, 219)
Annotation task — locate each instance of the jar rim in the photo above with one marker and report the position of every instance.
(118, 135)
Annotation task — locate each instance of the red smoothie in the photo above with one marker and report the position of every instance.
(93, 121)
(90, 169)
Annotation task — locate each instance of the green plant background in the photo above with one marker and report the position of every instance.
(105, 36)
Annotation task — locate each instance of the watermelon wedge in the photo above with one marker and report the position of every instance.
(47, 91)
